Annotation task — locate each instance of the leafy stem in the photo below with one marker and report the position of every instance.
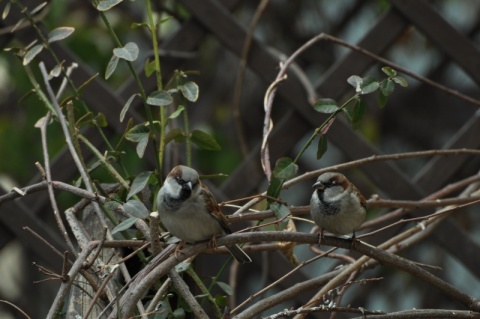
(319, 129)
(163, 121)
(140, 87)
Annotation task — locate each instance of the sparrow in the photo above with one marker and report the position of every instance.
(189, 211)
(336, 204)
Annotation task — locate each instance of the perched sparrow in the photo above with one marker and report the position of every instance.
(336, 205)
(190, 212)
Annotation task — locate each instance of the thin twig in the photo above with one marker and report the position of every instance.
(237, 94)
(48, 176)
(379, 158)
(184, 291)
(65, 286)
(278, 281)
(100, 291)
(293, 312)
(16, 307)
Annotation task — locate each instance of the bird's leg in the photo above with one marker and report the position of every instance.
(321, 236)
(213, 242)
(354, 239)
(178, 248)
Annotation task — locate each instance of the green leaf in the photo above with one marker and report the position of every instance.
(136, 25)
(126, 107)
(356, 82)
(382, 99)
(139, 134)
(159, 98)
(389, 71)
(139, 183)
(126, 224)
(358, 112)
(162, 21)
(101, 120)
(401, 81)
(177, 112)
(280, 211)
(326, 106)
(111, 66)
(179, 313)
(111, 205)
(369, 85)
(149, 67)
(38, 8)
(225, 287)
(181, 267)
(190, 91)
(105, 5)
(87, 82)
(59, 34)
(129, 52)
(176, 134)
(142, 146)
(205, 141)
(285, 168)
(322, 146)
(221, 301)
(56, 71)
(387, 86)
(274, 187)
(6, 10)
(32, 53)
(136, 208)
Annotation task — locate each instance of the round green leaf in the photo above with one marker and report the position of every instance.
(101, 120)
(190, 91)
(176, 134)
(129, 52)
(59, 34)
(183, 266)
(136, 208)
(285, 168)
(387, 86)
(225, 287)
(389, 71)
(139, 134)
(105, 5)
(205, 141)
(159, 98)
(326, 106)
(401, 81)
(149, 67)
(368, 85)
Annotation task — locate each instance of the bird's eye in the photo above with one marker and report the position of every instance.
(329, 183)
(179, 180)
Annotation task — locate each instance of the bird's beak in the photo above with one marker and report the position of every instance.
(188, 185)
(318, 185)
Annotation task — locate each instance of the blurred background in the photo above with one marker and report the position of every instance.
(435, 39)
